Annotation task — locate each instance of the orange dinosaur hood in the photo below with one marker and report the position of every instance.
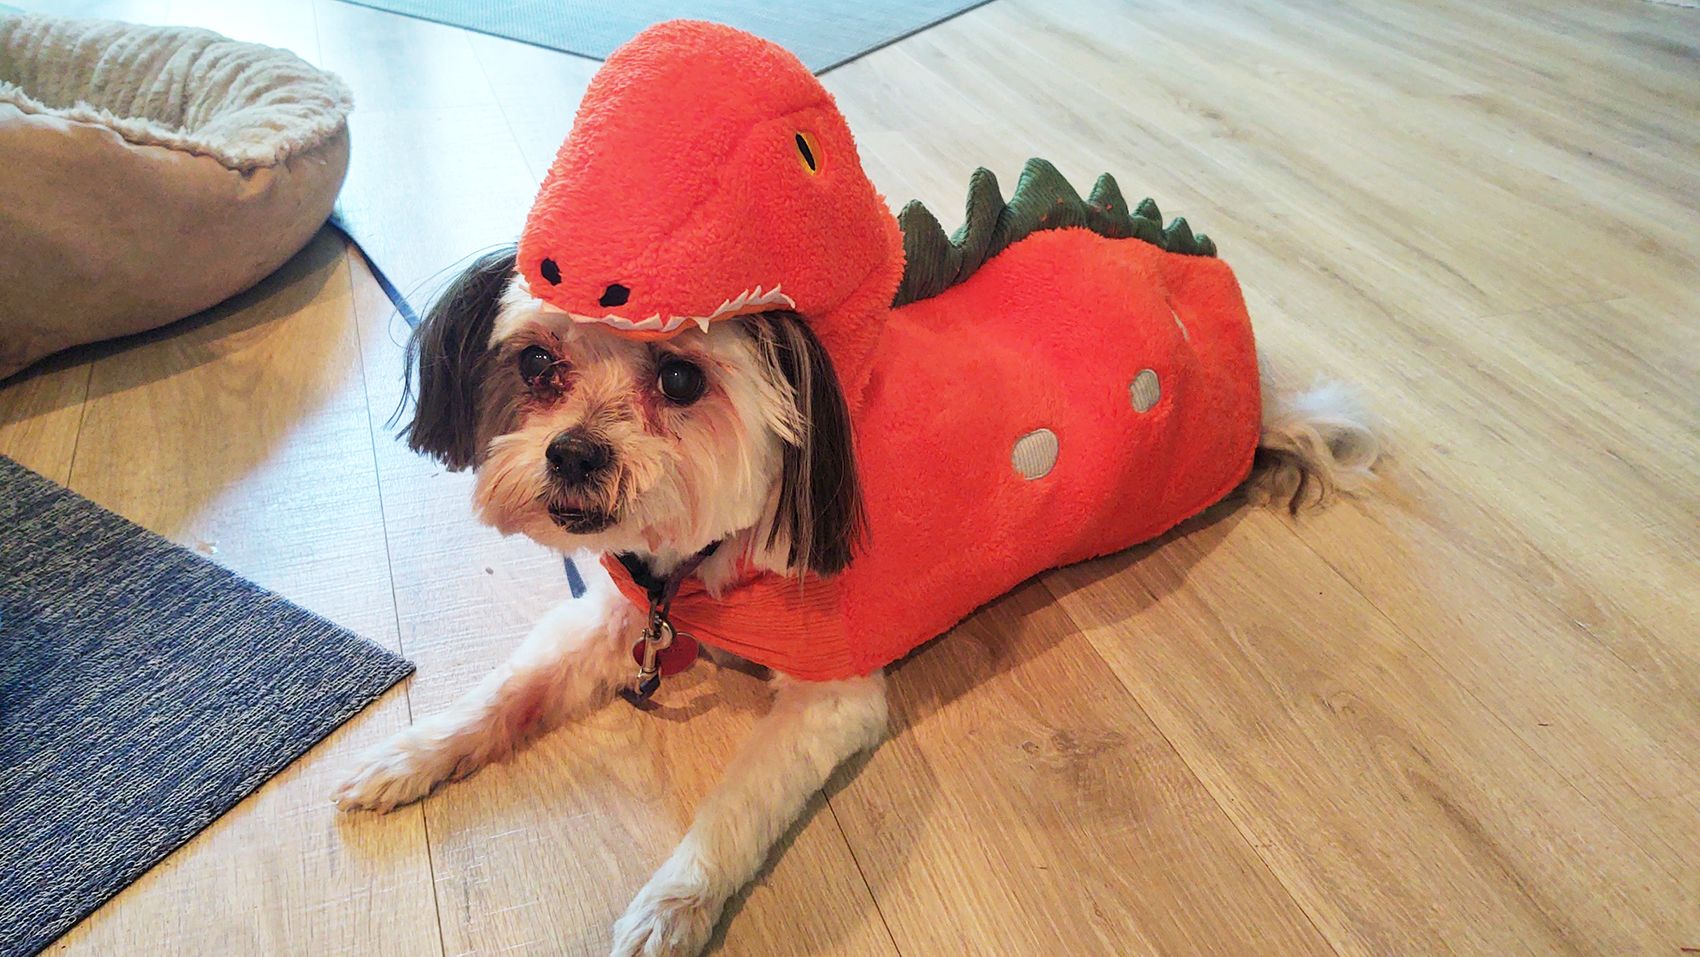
(709, 175)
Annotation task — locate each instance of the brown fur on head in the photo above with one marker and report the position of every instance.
(584, 439)
(446, 355)
(820, 496)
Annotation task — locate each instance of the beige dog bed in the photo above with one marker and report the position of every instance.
(150, 172)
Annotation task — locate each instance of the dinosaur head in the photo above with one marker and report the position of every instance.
(708, 175)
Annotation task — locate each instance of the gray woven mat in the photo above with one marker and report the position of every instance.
(143, 692)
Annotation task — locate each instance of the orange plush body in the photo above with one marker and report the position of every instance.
(710, 175)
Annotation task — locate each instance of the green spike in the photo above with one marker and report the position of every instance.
(979, 222)
(1147, 230)
(1148, 210)
(1106, 194)
(1206, 245)
(929, 257)
(1178, 238)
(1108, 213)
(1042, 200)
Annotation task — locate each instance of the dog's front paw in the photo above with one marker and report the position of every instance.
(390, 775)
(672, 916)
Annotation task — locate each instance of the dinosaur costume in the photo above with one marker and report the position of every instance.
(1061, 379)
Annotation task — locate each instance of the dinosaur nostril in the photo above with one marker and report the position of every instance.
(550, 271)
(615, 295)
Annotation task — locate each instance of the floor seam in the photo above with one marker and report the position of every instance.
(862, 873)
(82, 416)
(389, 563)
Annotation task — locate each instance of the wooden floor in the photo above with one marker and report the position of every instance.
(1459, 716)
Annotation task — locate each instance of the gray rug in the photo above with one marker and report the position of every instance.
(823, 33)
(143, 692)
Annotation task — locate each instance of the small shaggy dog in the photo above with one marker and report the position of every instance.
(585, 440)
(818, 479)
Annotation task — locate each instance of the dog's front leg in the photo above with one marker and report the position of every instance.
(572, 662)
(813, 727)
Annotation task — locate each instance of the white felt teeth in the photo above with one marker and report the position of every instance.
(748, 301)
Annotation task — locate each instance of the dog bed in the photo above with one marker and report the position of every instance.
(149, 173)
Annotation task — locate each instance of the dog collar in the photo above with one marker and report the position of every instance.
(661, 651)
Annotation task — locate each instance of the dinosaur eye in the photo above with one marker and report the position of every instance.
(808, 152)
(535, 363)
(680, 381)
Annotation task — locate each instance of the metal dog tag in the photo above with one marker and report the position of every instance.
(660, 652)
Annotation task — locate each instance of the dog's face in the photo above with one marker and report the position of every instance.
(590, 439)
(582, 438)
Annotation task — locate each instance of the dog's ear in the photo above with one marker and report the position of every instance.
(820, 497)
(448, 357)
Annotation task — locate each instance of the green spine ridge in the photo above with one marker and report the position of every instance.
(1043, 199)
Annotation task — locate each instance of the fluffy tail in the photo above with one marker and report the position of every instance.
(1315, 445)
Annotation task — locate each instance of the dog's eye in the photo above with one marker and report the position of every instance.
(681, 381)
(535, 363)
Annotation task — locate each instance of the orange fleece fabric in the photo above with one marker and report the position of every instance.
(682, 182)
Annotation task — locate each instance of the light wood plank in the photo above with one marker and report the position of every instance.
(40, 411)
(1543, 495)
(537, 91)
(1026, 802)
(1400, 811)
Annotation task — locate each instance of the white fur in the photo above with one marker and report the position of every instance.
(812, 728)
(1315, 445)
(571, 662)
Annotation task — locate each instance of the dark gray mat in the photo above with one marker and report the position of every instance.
(823, 33)
(143, 692)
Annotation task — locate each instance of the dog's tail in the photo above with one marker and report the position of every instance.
(1315, 445)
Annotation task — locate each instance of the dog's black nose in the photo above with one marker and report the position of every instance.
(615, 295)
(576, 458)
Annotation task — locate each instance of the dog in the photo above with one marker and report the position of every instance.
(585, 440)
